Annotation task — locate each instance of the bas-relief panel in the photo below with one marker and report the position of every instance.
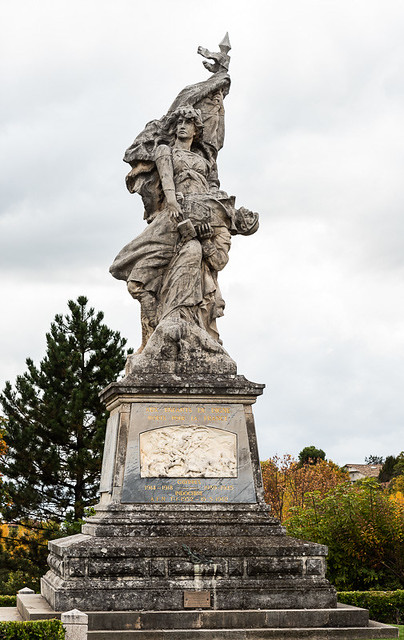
(187, 452)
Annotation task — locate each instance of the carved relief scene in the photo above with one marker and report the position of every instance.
(188, 451)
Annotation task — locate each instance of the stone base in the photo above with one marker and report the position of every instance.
(344, 622)
(182, 523)
(181, 348)
(193, 530)
(238, 554)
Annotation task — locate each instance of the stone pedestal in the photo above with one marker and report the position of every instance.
(182, 523)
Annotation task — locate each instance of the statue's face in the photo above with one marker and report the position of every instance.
(250, 218)
(185, 128)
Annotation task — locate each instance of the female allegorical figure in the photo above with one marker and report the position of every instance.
(172, 266)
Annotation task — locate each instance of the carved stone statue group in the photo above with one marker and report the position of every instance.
(172, 266)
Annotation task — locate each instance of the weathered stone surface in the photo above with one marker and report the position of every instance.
(35, 607)
(165, 521)
(75, 623)
(142, 572)
(315, 566)
(343, 622)
(172, 267)
(9, 614)
(274, 566)
(108, 461)
(143, 406)
(136, 552)
(158, 568)
(158, 384)
(375, 630)
(179, 347)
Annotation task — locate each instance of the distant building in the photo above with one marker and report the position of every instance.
(361, 471)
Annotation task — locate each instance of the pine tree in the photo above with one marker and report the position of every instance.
(56, 422)
(374, 459)
(387, 471)
(393, 467)
(311, 455)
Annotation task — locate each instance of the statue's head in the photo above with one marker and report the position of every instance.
(189, 114)
(246, 221)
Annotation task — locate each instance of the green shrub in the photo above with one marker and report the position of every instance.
(384, 606)
(8, 601)
(32, 630)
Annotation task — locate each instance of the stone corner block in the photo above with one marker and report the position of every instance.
(74, 617)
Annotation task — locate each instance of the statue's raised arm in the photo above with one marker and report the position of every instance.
(172, 266)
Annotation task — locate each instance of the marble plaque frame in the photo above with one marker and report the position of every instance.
(146, 416)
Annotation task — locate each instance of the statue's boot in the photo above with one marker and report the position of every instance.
(148, 310)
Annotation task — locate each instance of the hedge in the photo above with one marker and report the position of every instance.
(8, 601)
(32, 630)
(384, 606)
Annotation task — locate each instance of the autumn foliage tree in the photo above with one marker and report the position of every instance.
(287, 482)
(23, 554)
(23, 549)
(363, 527)
(3, 448)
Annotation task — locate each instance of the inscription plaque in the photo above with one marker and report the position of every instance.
(188, 452)
(196, 599)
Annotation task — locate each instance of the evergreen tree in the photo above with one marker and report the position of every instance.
(311, 455)
(374, 460)
(399, 466)
(56, 422)
(392, 468)
(387, 472)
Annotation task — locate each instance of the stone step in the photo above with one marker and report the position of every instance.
(175, 529)
(214, 545)
(344, 622)
(9, 614)
(374, 630)
(343, 616)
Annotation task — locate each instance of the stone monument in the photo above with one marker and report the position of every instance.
(182, 523)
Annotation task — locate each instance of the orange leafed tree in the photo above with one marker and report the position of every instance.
(3, 451)
(287, 482)
(3, 446)
(396, 490)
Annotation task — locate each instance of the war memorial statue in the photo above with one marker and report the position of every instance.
(172, 266)
(182, 541)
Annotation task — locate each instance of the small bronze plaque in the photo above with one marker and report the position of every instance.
(196, 599)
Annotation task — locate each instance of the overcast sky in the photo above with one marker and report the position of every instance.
(314, 143)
